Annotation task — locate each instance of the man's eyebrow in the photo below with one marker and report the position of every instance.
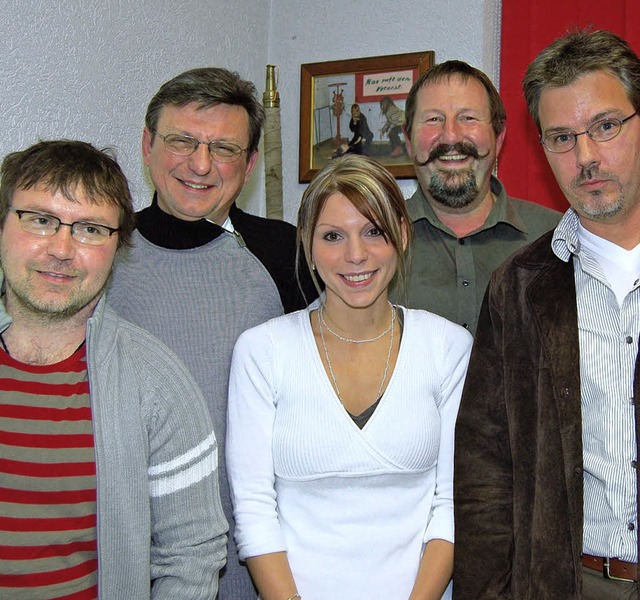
(94, 220)
(184, 133)
(594, 119)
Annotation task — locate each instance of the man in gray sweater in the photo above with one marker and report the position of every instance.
(108, 479)
(201, 270)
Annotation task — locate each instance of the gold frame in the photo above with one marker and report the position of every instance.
(420, 61)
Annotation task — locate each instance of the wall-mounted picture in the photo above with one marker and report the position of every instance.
(357, 106)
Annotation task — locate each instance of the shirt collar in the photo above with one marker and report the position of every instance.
(565, 240)
(227, 225)
(501, 212)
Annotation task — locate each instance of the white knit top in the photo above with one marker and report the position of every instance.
(353, 508)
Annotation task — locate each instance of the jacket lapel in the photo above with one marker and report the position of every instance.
(552, 300)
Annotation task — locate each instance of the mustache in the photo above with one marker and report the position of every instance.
(54, 265)
(459, 148)
(586, 174)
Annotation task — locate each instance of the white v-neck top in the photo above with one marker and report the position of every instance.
(353, 508)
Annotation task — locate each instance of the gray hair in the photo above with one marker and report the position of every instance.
(576, 54)
(209, 87)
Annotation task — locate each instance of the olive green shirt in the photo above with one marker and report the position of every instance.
(449, 275)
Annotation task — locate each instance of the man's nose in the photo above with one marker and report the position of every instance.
(61, 243)
(200, 160)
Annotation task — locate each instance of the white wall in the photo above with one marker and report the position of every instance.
(86, 69)
(305, 32)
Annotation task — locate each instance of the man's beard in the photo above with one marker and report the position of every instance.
(595, 209)
(453, 189)
(53, 309)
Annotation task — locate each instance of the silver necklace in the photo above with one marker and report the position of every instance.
(386, 366)
(350, 340)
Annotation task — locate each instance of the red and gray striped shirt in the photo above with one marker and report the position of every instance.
(47, 481)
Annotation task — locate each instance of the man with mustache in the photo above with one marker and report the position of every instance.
(547, 479)
(465, 224)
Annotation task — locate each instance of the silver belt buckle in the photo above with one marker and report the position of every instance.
(607, 575)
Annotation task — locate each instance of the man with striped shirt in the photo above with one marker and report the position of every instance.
(108, 469)
(546, 480)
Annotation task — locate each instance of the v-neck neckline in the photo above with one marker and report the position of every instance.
(383, 400)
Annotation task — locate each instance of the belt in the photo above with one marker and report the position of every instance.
(611, 568)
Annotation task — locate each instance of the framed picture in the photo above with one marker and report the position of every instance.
(357, 106)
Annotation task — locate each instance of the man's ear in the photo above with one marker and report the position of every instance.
(500, 139)
(407, 140)
(251, 162)
(146, 145)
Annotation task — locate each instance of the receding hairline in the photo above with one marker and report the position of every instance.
(463, 78)
(202, 106)
(563, 84)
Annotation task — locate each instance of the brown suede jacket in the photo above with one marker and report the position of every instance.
(518, 463)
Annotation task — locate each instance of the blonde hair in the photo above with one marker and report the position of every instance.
(373, 192)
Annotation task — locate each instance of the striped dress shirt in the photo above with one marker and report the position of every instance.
(608, 337)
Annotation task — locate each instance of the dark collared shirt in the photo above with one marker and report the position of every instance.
(449, 275)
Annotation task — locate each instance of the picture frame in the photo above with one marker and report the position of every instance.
(328, 92)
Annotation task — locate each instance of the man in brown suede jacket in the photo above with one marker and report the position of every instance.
(546, 479)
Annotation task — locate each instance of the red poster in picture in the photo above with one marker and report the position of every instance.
(373, 86)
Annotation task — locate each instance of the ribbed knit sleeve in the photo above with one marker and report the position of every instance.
(251, 414)
(161, 527)
(455, 349)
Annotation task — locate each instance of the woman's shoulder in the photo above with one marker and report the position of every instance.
(420, 321)
(277, 327)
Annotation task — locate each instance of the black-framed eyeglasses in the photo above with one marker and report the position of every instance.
(601, 131)
(40, 223)
(185, 145)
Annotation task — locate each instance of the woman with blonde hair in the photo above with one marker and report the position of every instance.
(341, 416)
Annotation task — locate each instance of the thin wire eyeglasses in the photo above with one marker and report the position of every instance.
(601, 131)
(185, 145)
(39, 223)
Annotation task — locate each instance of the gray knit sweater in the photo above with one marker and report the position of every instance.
(198, 301)
(160, 525)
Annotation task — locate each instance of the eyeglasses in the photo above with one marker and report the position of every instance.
(185, 145)
(601, 131)
(39, 223)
